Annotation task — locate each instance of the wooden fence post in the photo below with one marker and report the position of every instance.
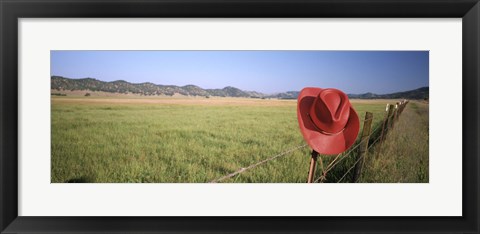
(384, 123)
(395, 114)
(313, 165)
(367, 128)
(389, 118)
(402, 106)
(385, 127)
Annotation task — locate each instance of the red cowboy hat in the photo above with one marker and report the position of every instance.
(327, 120)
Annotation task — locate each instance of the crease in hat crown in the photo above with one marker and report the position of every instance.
(330, 111)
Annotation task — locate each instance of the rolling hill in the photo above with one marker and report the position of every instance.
(420, 93)
(147, 89)
(60, 83)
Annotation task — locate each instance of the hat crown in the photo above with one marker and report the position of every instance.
(330, 111)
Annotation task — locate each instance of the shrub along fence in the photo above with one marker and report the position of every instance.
(359, 150)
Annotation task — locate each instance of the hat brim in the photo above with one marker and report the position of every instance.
(320, 142)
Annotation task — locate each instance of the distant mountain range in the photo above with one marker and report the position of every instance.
(60, 83)
(420, 93)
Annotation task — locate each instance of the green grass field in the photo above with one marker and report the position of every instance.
(403, 157)
(196, 140)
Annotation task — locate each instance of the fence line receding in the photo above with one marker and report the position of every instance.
(362, 147)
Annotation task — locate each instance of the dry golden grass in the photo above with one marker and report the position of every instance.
(184, 100)
(403, 157)
(187, 140)
(215, 101)
(374, 101)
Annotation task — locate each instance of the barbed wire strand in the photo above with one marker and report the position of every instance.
(346, 173)
(243, 169)
(350, 151)
(370, 146)
(329, 167)
(356, 162)
(335, 161)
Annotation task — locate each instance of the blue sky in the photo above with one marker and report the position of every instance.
(264, 71)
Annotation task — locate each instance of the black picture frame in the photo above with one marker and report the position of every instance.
(11, 11)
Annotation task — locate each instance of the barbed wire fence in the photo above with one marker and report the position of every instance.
(380, 132)
(243, 169)
(341, 157)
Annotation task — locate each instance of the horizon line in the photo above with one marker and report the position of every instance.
(227, 86)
